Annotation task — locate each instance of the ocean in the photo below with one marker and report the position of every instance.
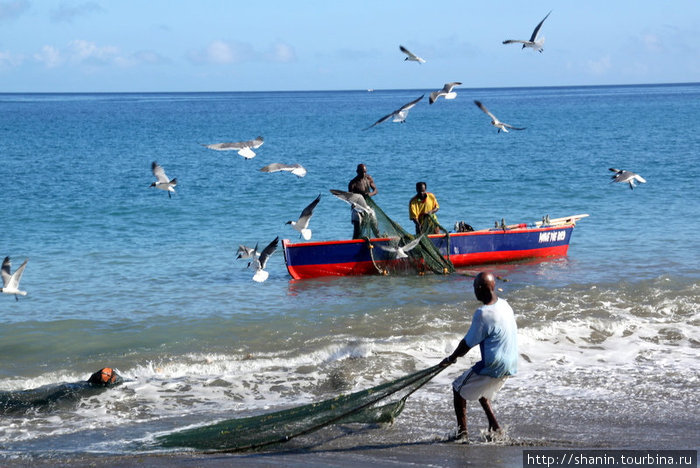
(121, 275)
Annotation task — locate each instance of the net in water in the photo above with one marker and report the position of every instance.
(380, 404)
(423, 257)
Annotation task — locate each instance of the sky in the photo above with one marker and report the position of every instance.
(210, 45)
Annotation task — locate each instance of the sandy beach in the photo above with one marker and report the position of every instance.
(414, 454)
(347, 446)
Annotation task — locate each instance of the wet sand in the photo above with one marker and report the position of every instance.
(401, 444)
(414, 454)
(477, 453)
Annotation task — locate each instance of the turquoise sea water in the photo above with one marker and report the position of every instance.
(120, 275)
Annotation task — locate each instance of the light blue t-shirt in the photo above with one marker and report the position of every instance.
(494, 329)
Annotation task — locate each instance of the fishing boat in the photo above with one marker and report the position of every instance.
(504, 243)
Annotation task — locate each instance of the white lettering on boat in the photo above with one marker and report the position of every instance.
(552, 236)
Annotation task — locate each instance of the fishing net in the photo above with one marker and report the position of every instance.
(427, 255)
(380, 404)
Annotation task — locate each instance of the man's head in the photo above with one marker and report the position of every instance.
(421, 189)
(485, 287)
(361, 169)
(105, 377)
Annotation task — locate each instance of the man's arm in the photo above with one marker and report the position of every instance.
(437, 206)
(461, 349)
(372, 186)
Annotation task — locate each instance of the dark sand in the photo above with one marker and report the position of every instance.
(532, 428)
(414, 454)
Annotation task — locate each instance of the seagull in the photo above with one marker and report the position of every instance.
(261, 260)
(357, 201)
(626, 176)
(411, 56)
(10, 282)
(533, 42)
(494, 120)
(296, 169)
(399, 114)
(162, 181)
(401, 251)
(302, 224)
(243, 147)
(445, 92)
(247, 252)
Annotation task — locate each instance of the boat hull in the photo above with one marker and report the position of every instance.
(353, 257)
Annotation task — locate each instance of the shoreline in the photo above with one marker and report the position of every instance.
(349, 448)
(429, 453)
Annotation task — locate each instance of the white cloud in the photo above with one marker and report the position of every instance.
(142, 57)
(149, 57)
(13, 9)
(221, 52)
(50, 56)
(8, 60)
(89, 53)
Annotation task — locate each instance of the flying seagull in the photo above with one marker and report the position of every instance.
(626, 176)
(244, 148)
(10, 282)
(357, 201)
(247, 252)
(261, 260)
(401, 251)
(533, 42)
(296, 169)
(410, 55)
(302, 224)
(399, 114)
(445, 92)
(494, 120)
(162, 182)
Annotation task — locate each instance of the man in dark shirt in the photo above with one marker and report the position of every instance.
(364, 185)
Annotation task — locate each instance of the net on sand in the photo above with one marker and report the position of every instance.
(380, 404)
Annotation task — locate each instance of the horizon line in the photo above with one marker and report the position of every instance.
(684, 83)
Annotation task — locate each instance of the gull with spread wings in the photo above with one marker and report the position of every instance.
(357, 201)
(247, 252)
(244, 148)
(162, 181)
(260, 260)
(410, 56)
(533, 43)
(302, 224)
(399, 114)
(445, 92)
(10, 281)
(296, 169)
(400, 251)
(494, 120)
(626, 176)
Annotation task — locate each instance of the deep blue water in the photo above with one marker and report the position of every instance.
(121, 275)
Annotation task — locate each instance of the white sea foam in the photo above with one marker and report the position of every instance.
(584, 347)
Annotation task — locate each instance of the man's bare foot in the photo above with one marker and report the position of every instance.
(461, 437)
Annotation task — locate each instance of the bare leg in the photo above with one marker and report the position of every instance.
(461, 413)
(493, 424)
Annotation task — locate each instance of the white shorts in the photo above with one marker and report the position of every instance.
(473, 386)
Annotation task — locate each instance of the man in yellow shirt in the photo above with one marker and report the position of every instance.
(422, 209)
